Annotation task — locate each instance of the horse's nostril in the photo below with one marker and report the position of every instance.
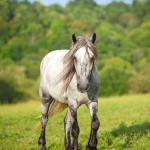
(87, 87)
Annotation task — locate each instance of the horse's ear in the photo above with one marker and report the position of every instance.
(93, 38)
(74, 39)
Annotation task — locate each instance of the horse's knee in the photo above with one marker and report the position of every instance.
(95, 123)
(73, 112)
(44, 119)
(67, 123)
(75, 130)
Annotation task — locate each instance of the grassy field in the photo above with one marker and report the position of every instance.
(125, 125)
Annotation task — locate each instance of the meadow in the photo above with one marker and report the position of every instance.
(125, 125)
(28, 31)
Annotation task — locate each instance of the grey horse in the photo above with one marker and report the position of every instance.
(69, 78)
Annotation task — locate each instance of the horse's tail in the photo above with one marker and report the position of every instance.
(54, 108)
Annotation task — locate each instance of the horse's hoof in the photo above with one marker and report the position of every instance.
(42, 147)
(90, 148)
(41, 143)
(68, 148)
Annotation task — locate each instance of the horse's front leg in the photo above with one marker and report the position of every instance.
(92, 143)
(75, 128)
(71, 126)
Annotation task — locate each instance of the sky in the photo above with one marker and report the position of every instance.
(63, 2)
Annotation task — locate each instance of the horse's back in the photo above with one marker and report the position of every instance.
(51, 57)
(50, 68)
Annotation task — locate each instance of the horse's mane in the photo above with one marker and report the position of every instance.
(68, 60)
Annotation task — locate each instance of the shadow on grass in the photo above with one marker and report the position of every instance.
(137, 129)
(124, 136)
(129, 134)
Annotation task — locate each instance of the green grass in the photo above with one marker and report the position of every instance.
(125, 125)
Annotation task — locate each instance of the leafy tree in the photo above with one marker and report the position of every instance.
(56, 35)
(140, 83)
(141, 35)
(113, 42)
(30, 30)
(115, 9)
(114, 77)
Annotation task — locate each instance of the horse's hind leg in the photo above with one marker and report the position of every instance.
(67, 127)
(45, 103)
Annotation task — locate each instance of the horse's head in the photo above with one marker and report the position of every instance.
(84, 59)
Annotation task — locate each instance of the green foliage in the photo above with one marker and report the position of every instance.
(141, 34)
(14, 86)
(114, 76)
(112, 41)
(30, 30)
(114, 13)
(30, 68)
(8, 91)
(56, 35)
(141, 82)
(9, 86)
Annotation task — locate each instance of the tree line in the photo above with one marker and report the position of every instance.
(30, 30)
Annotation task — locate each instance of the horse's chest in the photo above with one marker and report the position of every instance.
(78, 97)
